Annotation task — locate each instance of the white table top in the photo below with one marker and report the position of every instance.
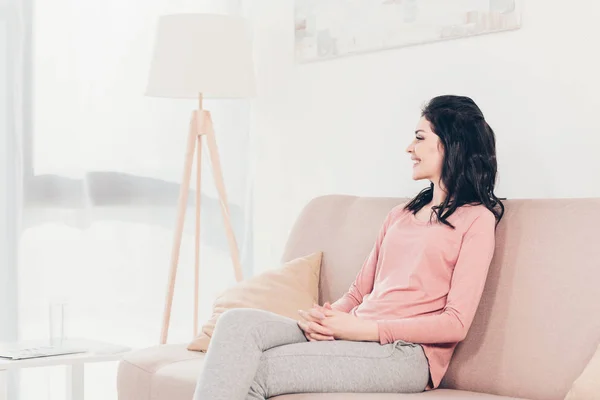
(97, 352)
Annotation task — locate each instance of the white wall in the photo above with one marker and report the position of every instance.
(341, 126)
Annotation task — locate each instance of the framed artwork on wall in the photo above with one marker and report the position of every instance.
(326, 29)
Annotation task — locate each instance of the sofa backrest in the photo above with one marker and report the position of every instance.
(538, 322)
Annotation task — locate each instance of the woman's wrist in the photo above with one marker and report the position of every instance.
(369, 331)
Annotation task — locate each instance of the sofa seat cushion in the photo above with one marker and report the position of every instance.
(165, 372)
(169, 372)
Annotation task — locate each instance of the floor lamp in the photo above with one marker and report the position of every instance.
(198, 56)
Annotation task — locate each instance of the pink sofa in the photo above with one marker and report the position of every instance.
(537, 325)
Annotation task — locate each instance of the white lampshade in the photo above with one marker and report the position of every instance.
(202, 54)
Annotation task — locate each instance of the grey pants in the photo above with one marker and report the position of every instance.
(255, 354)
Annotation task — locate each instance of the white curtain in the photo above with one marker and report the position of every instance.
(101, 170)
(13, 85)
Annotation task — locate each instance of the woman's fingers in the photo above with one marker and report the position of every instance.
(316, 314)
(315, 327)
(316, 336)
(305, 326)
(322, 308)
(311, 316)
(315, 332)
(331, 313)
(312, 323)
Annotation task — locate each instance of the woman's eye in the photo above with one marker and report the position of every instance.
(419, 138)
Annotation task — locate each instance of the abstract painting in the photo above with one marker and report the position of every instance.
(331, 28)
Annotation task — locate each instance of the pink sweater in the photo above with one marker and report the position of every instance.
(422, 282)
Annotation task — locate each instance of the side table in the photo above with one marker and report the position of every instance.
(96, 352)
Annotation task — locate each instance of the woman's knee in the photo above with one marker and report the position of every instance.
(242, 316)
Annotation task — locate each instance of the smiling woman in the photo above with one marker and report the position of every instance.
(455, 149)
(426, 152)
(413, 300)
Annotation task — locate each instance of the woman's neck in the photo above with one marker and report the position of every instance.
(439, 194)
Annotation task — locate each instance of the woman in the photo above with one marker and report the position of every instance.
(413, 300)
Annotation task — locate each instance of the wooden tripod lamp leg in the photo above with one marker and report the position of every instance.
(198, 210)
(219, 183)
(181, 207)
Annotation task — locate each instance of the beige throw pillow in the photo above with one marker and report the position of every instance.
(284, 291)
(587, 386)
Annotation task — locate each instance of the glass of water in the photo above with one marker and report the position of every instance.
(57, 319)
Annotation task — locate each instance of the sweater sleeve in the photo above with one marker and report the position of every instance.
(363, 284)
(466, 287)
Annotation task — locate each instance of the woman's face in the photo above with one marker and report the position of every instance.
(427, 153)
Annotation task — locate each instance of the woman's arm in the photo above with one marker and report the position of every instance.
(466, 286)
(363, 284)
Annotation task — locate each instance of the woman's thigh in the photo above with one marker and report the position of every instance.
(342, 366)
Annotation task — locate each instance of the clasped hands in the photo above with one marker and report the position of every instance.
(322, 323)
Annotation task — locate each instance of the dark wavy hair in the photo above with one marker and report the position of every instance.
(469, 167)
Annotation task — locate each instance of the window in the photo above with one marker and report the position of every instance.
(102, 170)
